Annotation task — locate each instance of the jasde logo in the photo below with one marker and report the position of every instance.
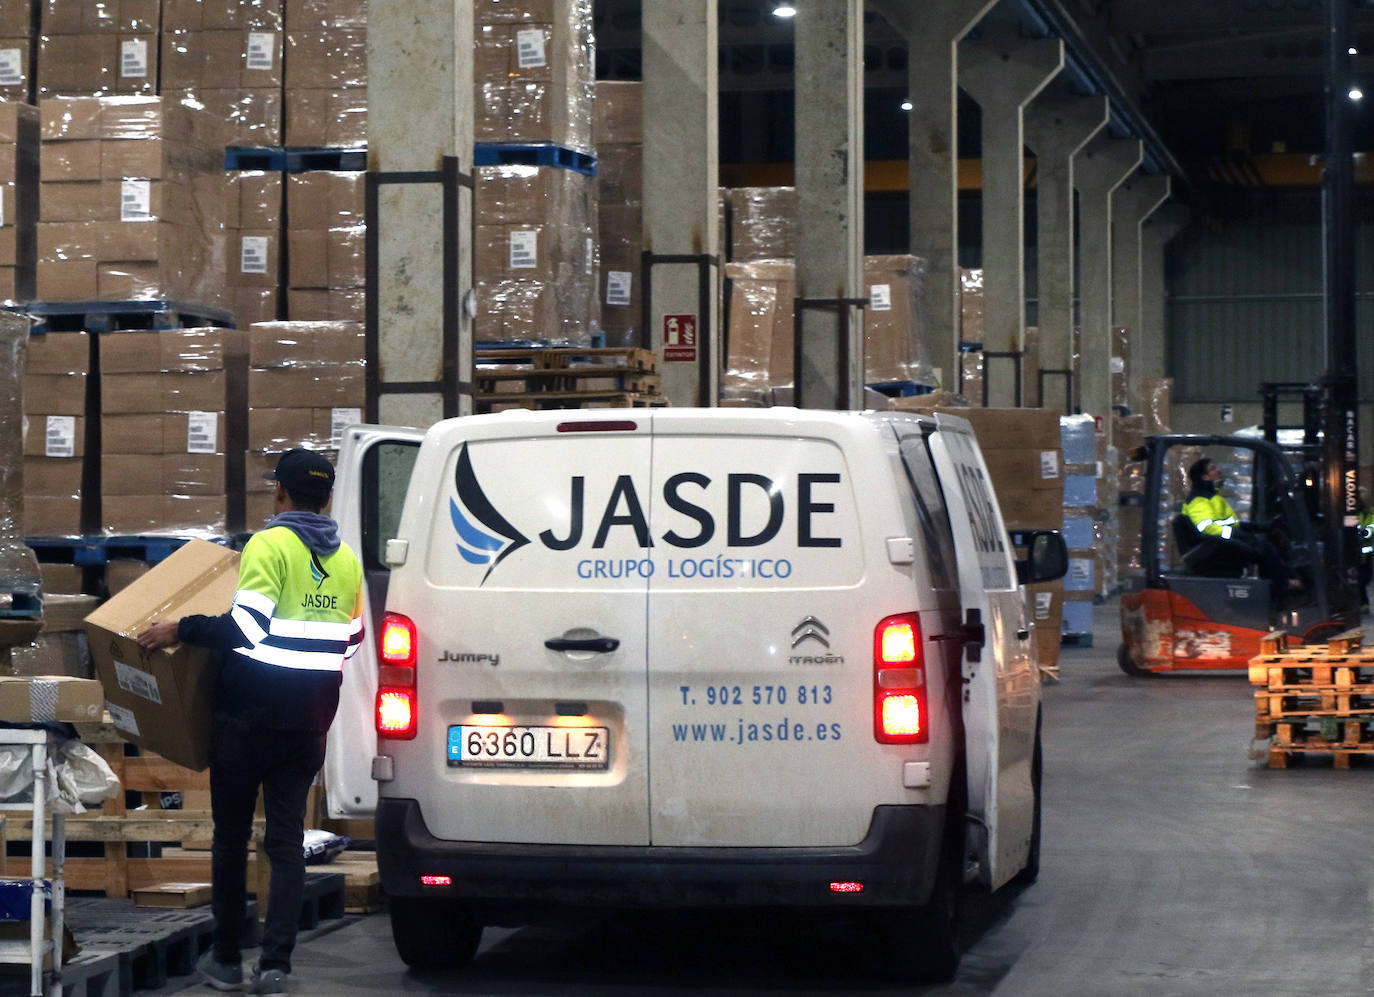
(485, 537)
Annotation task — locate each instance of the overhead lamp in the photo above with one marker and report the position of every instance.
(1353, 50)
(906, 105)
(784, 10)
(1356, 93)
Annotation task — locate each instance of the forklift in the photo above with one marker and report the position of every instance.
(1183, 614)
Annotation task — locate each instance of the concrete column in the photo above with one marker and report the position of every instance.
(1004, 72)
(1132, 203)
(933, 29)
(1057, 127)
(681, 181)
(830, 178)
(1155, 235)
(1098, 169)
(419, 110)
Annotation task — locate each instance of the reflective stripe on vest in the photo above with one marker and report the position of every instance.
(301, 644)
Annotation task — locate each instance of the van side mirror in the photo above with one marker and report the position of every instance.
(1048, 557)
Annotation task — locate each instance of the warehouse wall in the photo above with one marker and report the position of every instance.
(1245, 297)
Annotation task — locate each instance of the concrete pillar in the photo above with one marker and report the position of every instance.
(1133, 202)
(830, 178)
(933, 29)
(1057, 127)
(419, 110)
(1004, 72)
(1156, 234)
(1098, 169)
(681, 181)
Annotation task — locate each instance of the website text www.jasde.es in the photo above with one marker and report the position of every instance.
(741, 732)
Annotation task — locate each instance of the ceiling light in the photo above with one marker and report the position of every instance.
(1356, 93)
(1353, 50)
(784, 10)
(906, 105)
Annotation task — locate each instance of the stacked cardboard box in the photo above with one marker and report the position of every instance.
(535, 268)
(254, 226)
(17, 45)
(618, 130)
(18, 199)
(96, 49)
(533, 72)
(305, 384)
(325, 246)
(762, 223)
(171, 423)
(1081, 525)
(326, 73)
(761, 335)
(132, 201)
(60, 647)
(59, 436)
(227, 56)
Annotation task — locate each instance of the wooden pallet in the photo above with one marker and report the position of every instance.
(567, 400)
(563, 358)
(1314, 699)
(499, 381)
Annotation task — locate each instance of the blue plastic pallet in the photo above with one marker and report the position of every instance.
(101, 550)
(496, 154)
(901, 389)
(294, 159)
(109, 316)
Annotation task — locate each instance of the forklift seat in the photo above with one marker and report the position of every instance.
(1193, 550)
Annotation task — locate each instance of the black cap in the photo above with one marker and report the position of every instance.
(304, 474)
(1199, 469)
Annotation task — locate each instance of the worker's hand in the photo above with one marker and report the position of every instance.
(161, 634)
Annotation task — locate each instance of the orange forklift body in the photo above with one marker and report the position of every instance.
(1164, 632)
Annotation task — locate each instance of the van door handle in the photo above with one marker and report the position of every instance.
(602, 645)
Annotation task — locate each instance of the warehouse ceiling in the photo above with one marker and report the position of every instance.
(1222, 91)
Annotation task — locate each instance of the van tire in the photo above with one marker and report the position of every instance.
(922, 944)
(1030, 872)
(433, 934)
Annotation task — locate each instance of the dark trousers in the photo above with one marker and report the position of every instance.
(283, 763)
(1242, 550)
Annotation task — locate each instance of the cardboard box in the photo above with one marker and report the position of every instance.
(325, 199)
(173, 895)
(334, 387)
(54, 436)
(61, 579)
(326, 257)
(619, 112)
(254, 304)
(330, 118)
(1037, 469)
(1012, 428)
(161, 700)
(57, 653)
(304, 344)
(15, 71)
(40, 699)
(283, 428)
(201, 391)
(303, 14)
(339, 304)
(214, 15)
(160, 513)
(120, 573)
(333, 59)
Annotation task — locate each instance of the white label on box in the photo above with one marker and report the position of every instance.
(880, 297)
(339, 420)
(135, 200)
(133, 59)
(618, 286)
(138, 682)
(260, 54)
(591, 256)
(1049, 464)
(1043, 601)
(202, 432)
(1118, 365)
(529, 48)
(61, 437)
(123, 718)
(253, 254)
(11, 67)
(1080, 572)
(524, 250)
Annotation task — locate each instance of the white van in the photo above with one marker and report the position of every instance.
(689, 658)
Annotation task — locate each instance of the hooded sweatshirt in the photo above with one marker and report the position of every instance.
(295, 569)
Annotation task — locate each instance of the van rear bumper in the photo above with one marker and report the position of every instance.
(896, 862)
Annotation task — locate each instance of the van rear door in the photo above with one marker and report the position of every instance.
(760, 637)
(1000, 680)
(370, 485)
(527, 584)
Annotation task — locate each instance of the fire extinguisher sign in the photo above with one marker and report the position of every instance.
(680, 337)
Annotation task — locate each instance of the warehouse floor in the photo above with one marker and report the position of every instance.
(1173, 864)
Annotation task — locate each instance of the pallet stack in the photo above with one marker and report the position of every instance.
(1314, 699)
(546, 378)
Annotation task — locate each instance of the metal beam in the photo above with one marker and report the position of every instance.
(1181, 16)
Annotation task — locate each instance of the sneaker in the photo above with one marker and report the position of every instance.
(220, 975)
(268, 982)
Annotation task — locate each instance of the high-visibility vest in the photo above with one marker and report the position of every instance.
(1212, 516)
(296, 608)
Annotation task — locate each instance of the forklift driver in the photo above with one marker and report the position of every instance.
(1228, 544)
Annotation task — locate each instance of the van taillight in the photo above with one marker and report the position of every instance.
(396, 678)
(899, 682)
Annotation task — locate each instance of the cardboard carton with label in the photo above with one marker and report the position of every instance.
(162, 700)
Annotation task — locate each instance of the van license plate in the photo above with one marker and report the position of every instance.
(529, 747)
